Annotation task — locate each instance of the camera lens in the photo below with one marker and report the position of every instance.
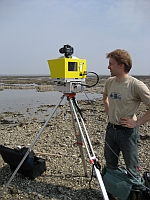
(61, 50)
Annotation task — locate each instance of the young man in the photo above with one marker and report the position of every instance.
(122, 97)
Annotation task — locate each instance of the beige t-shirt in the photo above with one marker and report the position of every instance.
(125, 97)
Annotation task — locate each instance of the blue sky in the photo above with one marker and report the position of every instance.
(32, 31)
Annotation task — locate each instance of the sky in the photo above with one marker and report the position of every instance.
(33, 31)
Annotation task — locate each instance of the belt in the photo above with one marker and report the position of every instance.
(114, 126)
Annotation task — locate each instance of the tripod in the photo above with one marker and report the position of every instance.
(81, 136)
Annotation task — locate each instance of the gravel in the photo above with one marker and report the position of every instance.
(64, 178)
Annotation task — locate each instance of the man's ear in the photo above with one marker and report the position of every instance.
(122, 66)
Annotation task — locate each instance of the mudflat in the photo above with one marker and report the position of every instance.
(64, 178)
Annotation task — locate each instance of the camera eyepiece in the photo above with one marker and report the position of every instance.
(67, 50)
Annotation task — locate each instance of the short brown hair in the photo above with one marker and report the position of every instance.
(122, 57)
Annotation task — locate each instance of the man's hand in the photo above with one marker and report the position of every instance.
(128, 122)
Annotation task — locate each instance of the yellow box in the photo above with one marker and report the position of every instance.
(67, 68)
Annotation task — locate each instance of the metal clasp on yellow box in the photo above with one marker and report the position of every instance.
(67, 69)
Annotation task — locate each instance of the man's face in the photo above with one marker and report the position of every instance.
(114, 67)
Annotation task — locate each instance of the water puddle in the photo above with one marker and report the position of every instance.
(32, 104)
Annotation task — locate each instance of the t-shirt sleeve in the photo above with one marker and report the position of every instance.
(106, 87)
(142, 92)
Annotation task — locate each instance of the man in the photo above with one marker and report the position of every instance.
(122, 97)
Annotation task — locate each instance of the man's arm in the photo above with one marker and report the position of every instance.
(106, 103)
(130, 123)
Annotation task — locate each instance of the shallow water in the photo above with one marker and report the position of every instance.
(19, 100)
(28, 102)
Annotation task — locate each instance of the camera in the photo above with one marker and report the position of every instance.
(67, 72)
(67, 50)
(67, 69)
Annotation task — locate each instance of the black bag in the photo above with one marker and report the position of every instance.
(146, 177)
(32, 166)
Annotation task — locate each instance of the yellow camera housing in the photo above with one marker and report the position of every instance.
(67, 69)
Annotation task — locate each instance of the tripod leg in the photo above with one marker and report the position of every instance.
(101, 184)
(79, 140)
(97, 171)
(25, 156)
(90, 149)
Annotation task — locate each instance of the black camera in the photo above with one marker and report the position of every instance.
(67, 50)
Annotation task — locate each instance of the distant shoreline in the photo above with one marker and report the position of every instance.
(45, 83)
(32, 76)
